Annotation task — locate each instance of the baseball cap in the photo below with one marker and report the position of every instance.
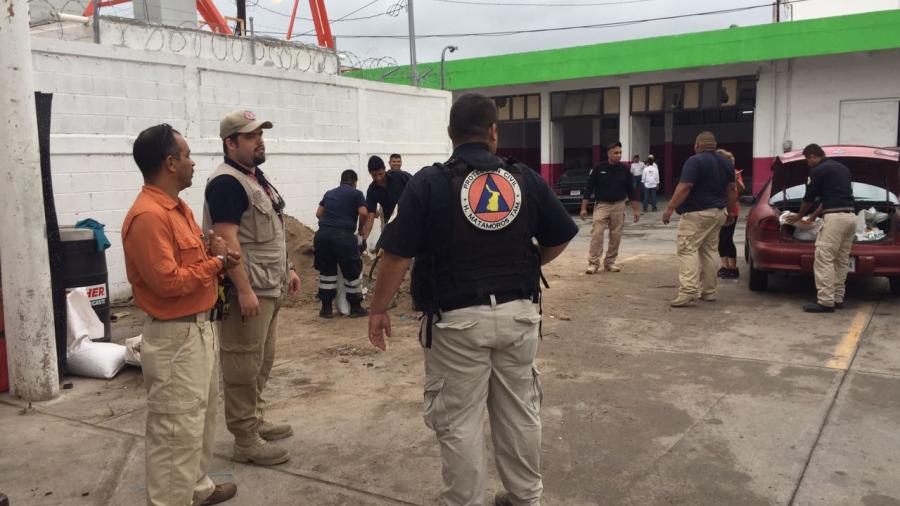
(240, 121)
(613, 145)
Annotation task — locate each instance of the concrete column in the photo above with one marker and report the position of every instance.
(546, 134)
(640, 137)
(625, 120)
(28, 307)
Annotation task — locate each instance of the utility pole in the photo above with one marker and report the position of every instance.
(414, 76)
(28, 306)
(242, 15)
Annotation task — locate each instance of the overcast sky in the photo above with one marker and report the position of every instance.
(444, 17)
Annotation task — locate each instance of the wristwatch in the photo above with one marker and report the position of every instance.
(222, 258)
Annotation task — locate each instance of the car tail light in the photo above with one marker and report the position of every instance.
(769, 229)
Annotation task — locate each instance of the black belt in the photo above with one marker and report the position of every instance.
(485, 300)
(838, 210)
(193, 318)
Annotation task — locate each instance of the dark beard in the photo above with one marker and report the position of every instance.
(259, 160)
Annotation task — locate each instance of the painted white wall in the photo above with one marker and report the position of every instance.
(801, 101)
(810, 9)
(104, 96)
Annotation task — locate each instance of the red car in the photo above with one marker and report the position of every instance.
(771, 247)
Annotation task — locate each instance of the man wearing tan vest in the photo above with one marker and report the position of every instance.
(246, 210)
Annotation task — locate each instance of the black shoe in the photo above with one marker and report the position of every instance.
(815, 307)
(356, 311)
(326, 312)
(723, 273)
(734, 274)
(654, 210)
(839, 305)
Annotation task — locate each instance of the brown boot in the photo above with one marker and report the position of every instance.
(222, 493)
(682, 300)
(274, 431)
(255, 450)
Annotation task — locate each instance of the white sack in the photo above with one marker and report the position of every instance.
(133, 350)
(343, 307)
(82, 322)
(96, 360)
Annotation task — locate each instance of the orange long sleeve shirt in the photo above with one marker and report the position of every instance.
(170, 273)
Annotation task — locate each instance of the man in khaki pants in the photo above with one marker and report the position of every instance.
(610, 183)
(174, 279)
(830, 184)
(245, 209)
(469, 224)
(704, 192)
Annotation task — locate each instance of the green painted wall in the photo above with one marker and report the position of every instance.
(842, 34)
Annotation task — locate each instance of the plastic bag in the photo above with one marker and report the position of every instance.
(803, 230)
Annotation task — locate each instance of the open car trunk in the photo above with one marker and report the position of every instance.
(876, 184)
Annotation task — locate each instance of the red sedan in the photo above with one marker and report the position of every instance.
(771, 247)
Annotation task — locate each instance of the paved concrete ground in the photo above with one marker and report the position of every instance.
(743, 401)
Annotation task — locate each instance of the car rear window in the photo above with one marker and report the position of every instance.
(862, 192)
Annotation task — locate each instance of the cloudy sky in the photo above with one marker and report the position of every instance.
(456, 17)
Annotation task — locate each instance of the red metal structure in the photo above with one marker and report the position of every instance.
(206, 8)
(320, 20)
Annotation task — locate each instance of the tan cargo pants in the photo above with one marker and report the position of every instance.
(698, 251)
(181, 374)
(832, 260)
(485, 354)
(248, 352)
(606, 216)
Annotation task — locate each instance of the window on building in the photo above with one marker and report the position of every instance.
(691, 95)
(611, 101)
(728, 96)
(503, 108)
(518, 107)
(639, 99)
(672, 97)
(709, 95)
(534, 107)
(655, 101)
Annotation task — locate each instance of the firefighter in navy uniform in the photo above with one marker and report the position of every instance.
(479, 228)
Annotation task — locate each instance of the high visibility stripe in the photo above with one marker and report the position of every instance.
(328, 286)
(353, 283)
(352, 290)
(327, 278)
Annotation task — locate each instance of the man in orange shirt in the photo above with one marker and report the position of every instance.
(174, 279)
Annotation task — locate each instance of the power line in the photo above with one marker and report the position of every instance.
(563, 28)
(518, 4)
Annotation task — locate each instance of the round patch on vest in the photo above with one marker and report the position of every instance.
(491, 200)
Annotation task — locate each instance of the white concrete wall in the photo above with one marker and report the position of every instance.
(801, 101)
(104, 96)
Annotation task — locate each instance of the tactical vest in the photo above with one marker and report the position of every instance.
(464, 264)
(261, 235)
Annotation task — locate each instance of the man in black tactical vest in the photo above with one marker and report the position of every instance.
(471, 224)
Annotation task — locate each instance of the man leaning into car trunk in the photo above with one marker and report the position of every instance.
(830, 186)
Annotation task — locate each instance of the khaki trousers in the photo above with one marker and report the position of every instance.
(698, 251)
(606, 216)
(833, 256)
(485, 354)
(248, 352)
(181, 375)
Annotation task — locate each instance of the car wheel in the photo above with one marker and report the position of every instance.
(759, 280)
(895, 285)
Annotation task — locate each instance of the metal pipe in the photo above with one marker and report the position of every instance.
(412, 43)
(28, 307)
(443, 54)
(96, 21)
(252, 43)
(61, 16)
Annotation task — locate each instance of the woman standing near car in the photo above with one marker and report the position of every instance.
(727, 249)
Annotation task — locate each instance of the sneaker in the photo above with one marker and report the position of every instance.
(502, 499)
(326, 312)
(723, 273)
(612, 268)
(356, 311)
(682, 301)
(839, 305)
(256, 450)
(274, 431)
(222, 493)
(592, 269)
(734, 273)
(815, 307)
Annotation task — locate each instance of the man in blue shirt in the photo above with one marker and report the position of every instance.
(341, 212)
(705, 191)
